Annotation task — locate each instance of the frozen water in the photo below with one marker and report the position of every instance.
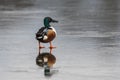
(88, 41)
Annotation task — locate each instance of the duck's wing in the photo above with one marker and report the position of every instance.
(41, 32)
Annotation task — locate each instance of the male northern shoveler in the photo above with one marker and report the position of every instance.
(47, 33)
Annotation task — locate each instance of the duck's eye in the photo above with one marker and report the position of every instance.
(49, 19)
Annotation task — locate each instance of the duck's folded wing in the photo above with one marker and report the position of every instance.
(41, 30)
(40, 33)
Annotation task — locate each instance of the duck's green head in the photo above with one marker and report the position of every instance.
(48, 20)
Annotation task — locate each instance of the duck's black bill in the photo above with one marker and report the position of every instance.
(54, 21)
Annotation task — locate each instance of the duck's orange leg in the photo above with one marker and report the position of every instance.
(40, 45)
(51, 46)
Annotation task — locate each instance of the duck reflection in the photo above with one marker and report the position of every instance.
(42, 56)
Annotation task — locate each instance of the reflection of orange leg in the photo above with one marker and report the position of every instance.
(51, 46)
(40, 50)
(40, 45)
(50, 50)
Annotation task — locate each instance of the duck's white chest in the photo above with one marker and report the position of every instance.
(53, 29)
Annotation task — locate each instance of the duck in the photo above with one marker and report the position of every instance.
(47, 33)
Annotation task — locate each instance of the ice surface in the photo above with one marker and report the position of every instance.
(88, 41)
